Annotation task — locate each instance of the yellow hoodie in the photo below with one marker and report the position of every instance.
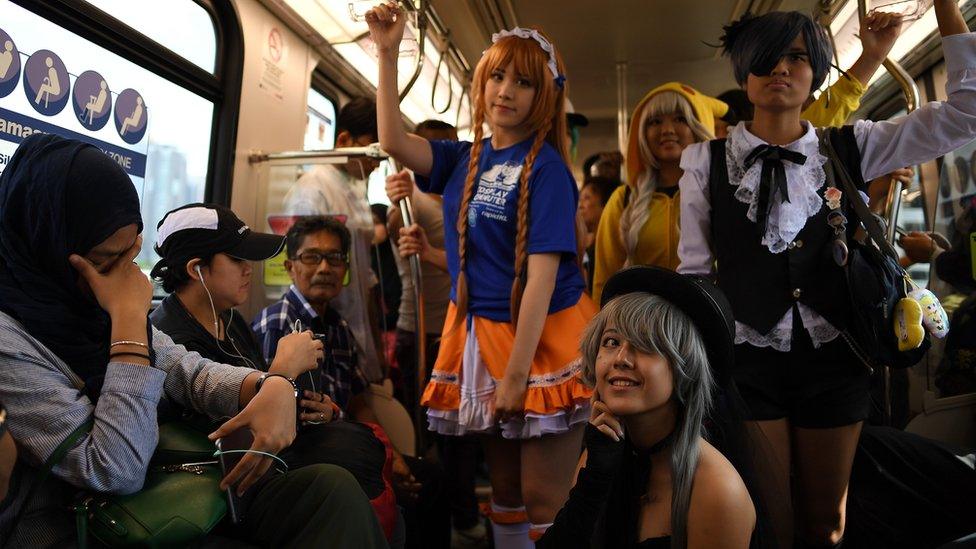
(658, 240)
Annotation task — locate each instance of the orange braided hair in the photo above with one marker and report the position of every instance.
(547, 118)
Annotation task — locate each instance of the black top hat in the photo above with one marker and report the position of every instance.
(702, 301)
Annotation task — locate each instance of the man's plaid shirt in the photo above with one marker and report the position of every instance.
(340, 376)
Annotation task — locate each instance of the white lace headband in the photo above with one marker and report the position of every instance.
(532, 34)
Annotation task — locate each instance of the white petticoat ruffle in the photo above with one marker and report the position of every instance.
(780, 337)
(786, 219)
(476, 412)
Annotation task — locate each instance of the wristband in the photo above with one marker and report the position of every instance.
(3, 421)
(264, 377)
(140, 355)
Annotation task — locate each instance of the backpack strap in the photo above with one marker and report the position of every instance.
(875, 232)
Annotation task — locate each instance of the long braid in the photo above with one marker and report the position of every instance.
(522, 227)
(462, 223)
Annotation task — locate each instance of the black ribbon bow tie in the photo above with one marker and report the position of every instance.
(772, 178)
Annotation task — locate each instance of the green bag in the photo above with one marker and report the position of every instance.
(179, 503)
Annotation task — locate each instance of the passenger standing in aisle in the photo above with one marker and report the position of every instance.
(458, 455)
(806, 389)
(639, 226)
(504, 369)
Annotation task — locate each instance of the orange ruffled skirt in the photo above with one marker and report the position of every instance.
(460, 395)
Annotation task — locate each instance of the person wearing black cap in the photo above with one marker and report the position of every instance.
(654, 355)
(206, 253)
(76, 347)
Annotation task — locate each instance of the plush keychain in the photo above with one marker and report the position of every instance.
(934, 317)
(908, 324)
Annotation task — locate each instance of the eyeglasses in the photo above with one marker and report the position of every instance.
(334, 259)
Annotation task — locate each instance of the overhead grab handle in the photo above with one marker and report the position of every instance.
(437, 78)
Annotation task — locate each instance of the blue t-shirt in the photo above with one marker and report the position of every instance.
(493, 220)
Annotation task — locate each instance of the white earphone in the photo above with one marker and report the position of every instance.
(213, 310)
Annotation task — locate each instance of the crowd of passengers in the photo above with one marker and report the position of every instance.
(652, 358)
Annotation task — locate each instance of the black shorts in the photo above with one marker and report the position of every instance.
(814, 388)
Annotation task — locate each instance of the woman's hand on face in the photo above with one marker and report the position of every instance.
(510, 398)
(297, 353)
(122, 290)
(317, 408)
(413, 241)
(386, 23)
(398, 186)
(270, 416)
(603, 419)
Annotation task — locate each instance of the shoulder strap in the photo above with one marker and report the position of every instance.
(55, 458)
(870, 222)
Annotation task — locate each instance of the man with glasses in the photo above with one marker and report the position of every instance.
(318, 251)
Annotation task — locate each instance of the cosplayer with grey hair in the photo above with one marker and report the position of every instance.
(652, 325)
(634, 216)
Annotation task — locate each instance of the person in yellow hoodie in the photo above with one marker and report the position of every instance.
(639, 225)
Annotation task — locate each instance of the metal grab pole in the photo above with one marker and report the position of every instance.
(893, 204)
(406, 212)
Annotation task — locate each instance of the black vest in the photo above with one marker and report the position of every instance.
(762, 286)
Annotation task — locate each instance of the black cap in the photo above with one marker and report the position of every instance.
(702, 301)
(201, 230)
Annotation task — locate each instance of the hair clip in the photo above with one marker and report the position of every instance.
(532, 34)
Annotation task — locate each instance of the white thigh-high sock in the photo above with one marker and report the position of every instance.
(510, 527)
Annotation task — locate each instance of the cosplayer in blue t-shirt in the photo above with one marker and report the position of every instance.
(508, 364)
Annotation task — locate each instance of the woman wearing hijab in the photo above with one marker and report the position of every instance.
(76, 346)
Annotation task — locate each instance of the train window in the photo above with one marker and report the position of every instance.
(320, 122)
(77, 84)
(182, 26)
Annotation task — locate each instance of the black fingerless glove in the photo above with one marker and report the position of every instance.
(603, 453)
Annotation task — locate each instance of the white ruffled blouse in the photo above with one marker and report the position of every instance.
(927, 133)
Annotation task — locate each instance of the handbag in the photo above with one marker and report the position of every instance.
(876, 282)
(180, 501)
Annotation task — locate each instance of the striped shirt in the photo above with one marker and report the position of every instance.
(45, 404)
(340, 376)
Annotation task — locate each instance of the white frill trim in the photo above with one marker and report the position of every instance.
(476, 411)
(786, 219)
(780, 337)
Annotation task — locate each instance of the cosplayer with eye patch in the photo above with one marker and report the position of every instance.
(754, 215)
(504, 369)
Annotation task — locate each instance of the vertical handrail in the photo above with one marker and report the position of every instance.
(406, 212)
(893, 204)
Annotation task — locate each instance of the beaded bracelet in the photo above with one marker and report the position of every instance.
(129, 342)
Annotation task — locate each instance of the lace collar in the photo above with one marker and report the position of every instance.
(786, 219)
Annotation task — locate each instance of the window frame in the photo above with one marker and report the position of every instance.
(320, 83)
(222, 88)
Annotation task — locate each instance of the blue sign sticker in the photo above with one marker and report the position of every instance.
(9, 64)
(131, 116)
(46, 82)
(92, 100)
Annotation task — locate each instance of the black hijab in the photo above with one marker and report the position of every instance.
(60, 197)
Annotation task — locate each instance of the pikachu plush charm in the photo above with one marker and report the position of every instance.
(934, 317)
(908, 324)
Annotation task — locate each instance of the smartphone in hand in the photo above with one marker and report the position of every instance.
(241, 439)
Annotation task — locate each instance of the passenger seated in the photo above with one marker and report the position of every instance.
(76, 345)
(206, 265)
(648, 478)
(318, 255)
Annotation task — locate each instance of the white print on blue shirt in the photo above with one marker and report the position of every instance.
(494, 188)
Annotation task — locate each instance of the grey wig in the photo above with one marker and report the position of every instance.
(652, 325)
